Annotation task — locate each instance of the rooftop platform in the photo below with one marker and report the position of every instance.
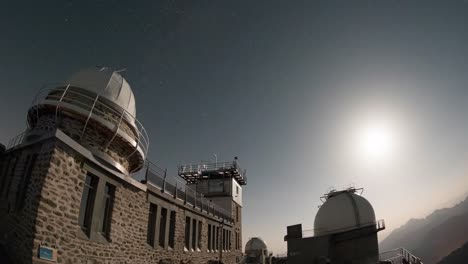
(194, 173)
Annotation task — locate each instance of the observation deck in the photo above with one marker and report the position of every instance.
(194, 173)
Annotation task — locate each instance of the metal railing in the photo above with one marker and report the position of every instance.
(399, 256)
(94, 107)
(379, 225)
(198, 169)
(18, 139)
(179, 190)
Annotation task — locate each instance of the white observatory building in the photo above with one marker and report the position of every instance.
(256, 251)
(345, 231)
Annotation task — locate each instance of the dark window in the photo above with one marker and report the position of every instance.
(22, 189)
(229, 240)
(172, 223)
(10, 175)
(209, 237)
(225, 240)
(152, 224)
(109, 193)
(194, 233)
(187, 232)
(237, 246)
(213, 237)
(199, 234)
(237, 213)
(87, 202)
(162, 227)
(217, 238)
(4, 174)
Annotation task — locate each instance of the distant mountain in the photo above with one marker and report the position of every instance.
(459, 256)
(433, 237)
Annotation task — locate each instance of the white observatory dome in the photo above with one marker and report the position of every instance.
(342, 211)
(255, 244)
(108, 84)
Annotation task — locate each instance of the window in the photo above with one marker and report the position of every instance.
(213, 237)
(224, 239)
(109, 194)
(22, 189)
(87, 202)
(236, 243)
(194, 234)
(199, 234)
(172, 223)
(162, 227)
(187, 232)
(10, 175)
(237, 213)
(209, 237)
(217, 238)
(229, 241)
(152, 224)
(4, 174)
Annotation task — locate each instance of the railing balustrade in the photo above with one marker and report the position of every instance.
(399, 256)
(379, 225)
(171, 185)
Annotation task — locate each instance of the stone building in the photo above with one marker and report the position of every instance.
(76, 186)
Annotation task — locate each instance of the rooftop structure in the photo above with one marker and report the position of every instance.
(345, 231)
(342, 211)
(256, 252)
(194, 173)
(95, 107)
(256, 244)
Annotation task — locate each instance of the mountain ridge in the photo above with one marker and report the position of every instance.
(433, 237)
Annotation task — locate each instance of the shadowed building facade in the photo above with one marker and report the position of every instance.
(76, 187)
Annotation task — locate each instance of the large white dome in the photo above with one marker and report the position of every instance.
(342, 211)
(106, 83)
(254, 244)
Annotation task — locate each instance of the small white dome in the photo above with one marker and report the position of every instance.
(254, 244)
(343, 211)
(108, 84)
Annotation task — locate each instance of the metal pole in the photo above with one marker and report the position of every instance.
(164, 180)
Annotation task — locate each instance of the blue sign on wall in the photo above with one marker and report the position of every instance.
(47, 253)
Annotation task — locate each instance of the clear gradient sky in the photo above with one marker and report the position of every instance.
(284, 85)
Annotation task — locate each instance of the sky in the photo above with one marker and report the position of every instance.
(310, 95)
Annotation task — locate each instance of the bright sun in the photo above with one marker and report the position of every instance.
(376, 141)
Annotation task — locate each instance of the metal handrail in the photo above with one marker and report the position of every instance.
(202, 167)
(16, 140)
(158, 177)
(89, 103)
(398, 255)
(379, 225)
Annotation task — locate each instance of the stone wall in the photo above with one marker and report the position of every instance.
(94, 137)
(17, 224)
(50, 218)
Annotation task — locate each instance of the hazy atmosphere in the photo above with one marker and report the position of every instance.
(310, 95)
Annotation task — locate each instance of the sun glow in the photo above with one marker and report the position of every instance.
(376, 141)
